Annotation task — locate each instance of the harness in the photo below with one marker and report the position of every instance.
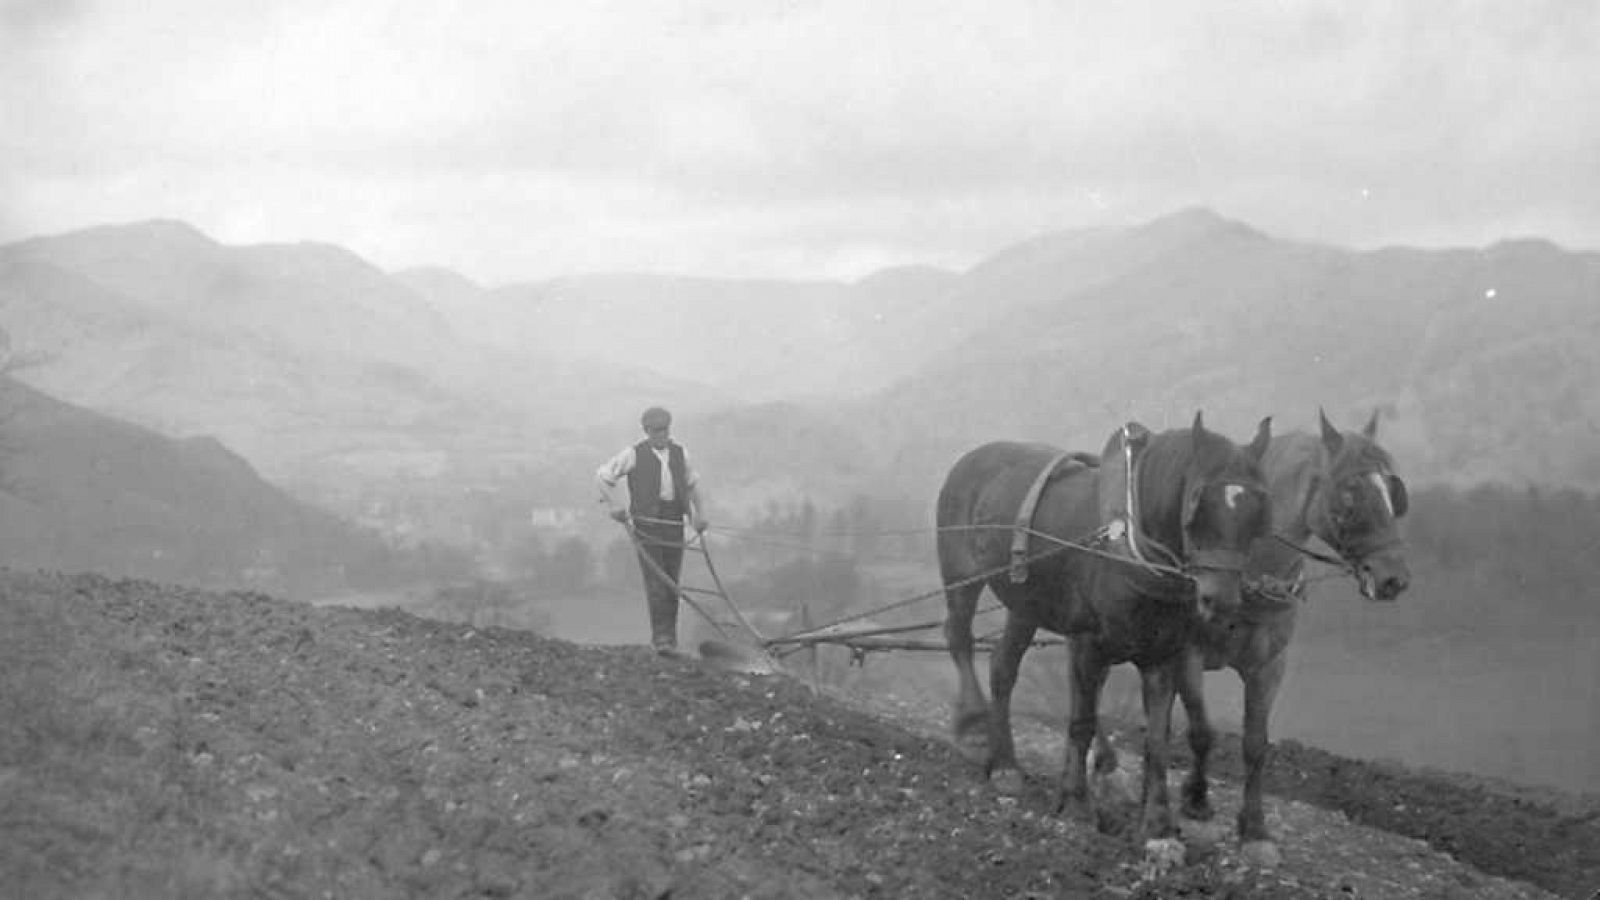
(1030, 506)
(1120, 513)
(1129, 527)
(1120, 509)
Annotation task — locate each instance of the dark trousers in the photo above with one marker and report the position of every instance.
(662, 543)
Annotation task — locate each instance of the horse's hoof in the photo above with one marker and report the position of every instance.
(970, 732)
(1161, 855)
(1058, 803)
(969, 721)
(1210, 834)
(1261, 854)
(1102, 757)
(1113, 787)
(1007, 782)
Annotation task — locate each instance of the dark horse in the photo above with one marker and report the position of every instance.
(1201, 495)
(1341, 488)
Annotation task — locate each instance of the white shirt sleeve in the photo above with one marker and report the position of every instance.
(690, 476)
(616, 468)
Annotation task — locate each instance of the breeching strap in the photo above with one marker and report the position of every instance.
(1030, 502)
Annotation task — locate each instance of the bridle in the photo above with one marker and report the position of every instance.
(1348, 558)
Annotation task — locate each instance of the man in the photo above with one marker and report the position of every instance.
(662, 489)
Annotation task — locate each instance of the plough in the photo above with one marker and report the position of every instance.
(759, 652)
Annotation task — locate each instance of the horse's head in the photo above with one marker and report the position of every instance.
(1361, 504)
(1226, 508)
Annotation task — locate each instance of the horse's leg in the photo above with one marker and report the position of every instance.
(1003, 666)
(1260, 689)
(1109, 787)
(1086, 675)
(971, 711)
(1191, 687)
(1102, 756)
(1158, 683)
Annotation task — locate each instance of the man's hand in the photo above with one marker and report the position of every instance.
(621, 515)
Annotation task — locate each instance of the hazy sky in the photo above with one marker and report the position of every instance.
(521, 140)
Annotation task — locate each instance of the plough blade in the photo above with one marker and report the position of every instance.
(733, 657)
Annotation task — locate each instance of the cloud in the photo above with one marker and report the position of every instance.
(797, 134)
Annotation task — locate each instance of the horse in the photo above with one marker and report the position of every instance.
(1340, 487)
(1202, 496)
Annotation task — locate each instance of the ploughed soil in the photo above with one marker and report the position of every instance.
(157, 741)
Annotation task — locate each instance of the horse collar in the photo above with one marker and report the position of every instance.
(1132, 498)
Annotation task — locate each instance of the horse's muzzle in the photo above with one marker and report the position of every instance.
(1382, 574)
(1218, 589)
(1384, 585)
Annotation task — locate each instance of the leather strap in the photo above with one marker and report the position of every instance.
(1030, 502)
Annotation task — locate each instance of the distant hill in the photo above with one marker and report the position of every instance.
(752, 340)
(781, 452)
(81, 491)
(1480, 359)
(362, 389)
(328, 374)
(279, 350)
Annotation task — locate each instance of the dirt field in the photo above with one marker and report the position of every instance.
(162, 742)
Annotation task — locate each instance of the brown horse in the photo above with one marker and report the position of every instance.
(1201, 495)
(1340, 487)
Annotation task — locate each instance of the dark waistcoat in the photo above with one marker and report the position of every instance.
(644, 483)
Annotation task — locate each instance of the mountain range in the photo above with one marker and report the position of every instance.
(83, 491)
(348, 384)
(1479, 359)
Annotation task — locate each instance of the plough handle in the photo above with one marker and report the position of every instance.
(655, 568)
(705, 550)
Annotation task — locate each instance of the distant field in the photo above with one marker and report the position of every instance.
(1525, 712)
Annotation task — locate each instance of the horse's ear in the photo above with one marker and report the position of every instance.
(1331, 438)
(1199, 427)
(1258, 447)
(1371, 431)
